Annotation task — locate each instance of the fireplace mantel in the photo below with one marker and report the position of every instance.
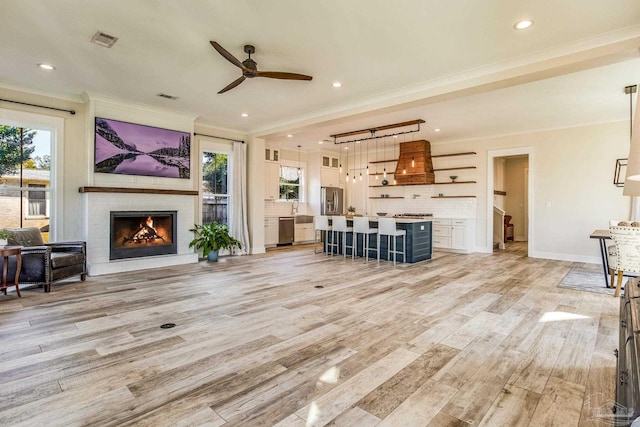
(136, 190)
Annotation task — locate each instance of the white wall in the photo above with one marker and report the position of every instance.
(573, 193)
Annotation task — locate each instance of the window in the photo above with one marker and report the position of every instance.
(25, 177)
(215, 187)
(37, 200)
(290, 183)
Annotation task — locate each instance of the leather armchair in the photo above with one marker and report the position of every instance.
(45, 263)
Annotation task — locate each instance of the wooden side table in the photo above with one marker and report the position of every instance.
(6, 252)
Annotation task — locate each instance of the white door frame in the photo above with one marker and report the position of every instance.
(55, 125)
(491, 155)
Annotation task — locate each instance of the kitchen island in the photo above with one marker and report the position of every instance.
(419, 240)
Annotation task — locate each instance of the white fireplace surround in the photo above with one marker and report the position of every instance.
(97, 211)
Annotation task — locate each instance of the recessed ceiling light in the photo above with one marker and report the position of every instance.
(523, 24)
(289, 135)
(320, 142)
(336, 84)
(346, 148)
(244, 115)
(46, 66)
(436, 130)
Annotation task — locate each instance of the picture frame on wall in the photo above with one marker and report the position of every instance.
(133, 149)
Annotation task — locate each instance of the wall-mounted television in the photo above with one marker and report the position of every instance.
(133, 149)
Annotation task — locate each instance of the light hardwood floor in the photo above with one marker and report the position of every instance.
(291, 338)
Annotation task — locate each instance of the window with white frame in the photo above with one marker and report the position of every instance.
(291, 183)
(216, 205)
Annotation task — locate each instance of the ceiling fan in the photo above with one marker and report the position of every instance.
(249, 68)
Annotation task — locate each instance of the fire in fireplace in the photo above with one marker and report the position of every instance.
(143, 233)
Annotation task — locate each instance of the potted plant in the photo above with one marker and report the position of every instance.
(4, 235)
(211, 238)
(351, 210)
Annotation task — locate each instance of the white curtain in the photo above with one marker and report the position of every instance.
(289, 173)
(239, 227)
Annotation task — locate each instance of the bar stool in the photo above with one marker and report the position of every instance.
(321, 224)
(339, 225)
(361, 226)
(387, 227)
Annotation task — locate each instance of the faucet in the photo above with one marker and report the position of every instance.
(294, 207)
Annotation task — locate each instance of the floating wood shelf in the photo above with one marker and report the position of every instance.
(455, 169)
(468, 153)
(386, 197)
(454, 182)
(137, 191)
(435, 183)
(452, 197)
(382, 173)
(499, 193)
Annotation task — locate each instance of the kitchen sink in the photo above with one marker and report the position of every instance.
(303, 219)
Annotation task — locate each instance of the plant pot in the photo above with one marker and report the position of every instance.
(3, 243)
(213, 255)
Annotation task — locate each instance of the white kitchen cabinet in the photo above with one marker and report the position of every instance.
(329, 177)
(271, 181)
(330, 172)
(271, 155)
(304, 233)
(458, 234)
(441, 230)
(270, 231)
(455, 235)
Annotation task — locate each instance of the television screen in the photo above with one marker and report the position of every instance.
(132, 149)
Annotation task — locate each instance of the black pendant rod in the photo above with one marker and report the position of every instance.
(72, 112)
(373, 136)
(218, 137)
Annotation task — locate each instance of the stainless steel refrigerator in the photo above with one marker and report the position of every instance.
(332, 202)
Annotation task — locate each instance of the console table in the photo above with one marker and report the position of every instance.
(7, 252)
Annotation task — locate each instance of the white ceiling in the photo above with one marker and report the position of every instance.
(459, 64)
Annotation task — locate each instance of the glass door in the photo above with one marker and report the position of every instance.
(25, 178)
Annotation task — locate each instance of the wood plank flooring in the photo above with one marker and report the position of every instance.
(293, 338)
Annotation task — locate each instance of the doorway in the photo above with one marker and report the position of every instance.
(509, 202)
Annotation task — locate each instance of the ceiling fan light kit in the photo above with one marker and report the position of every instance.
(249, 68)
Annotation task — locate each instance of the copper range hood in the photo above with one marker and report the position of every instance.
(414, 163)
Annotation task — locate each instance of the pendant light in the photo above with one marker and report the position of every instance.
(299, 170)
(360, 162)
(384, 157)
(340, 160)
(631, 184)
(376, 172)
(353, 176)
(347, 148)
(394, 152)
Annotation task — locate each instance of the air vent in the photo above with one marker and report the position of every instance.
(103, 39)
(164, 95)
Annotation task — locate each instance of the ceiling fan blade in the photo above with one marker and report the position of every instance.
(233, 84)
(281, 75)
(222, 51)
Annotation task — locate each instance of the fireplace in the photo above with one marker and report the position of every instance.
(143, 233)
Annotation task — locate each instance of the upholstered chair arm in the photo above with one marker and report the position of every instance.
(68, 246)
(36, 264)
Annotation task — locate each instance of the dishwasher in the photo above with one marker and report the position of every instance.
(285, 230)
